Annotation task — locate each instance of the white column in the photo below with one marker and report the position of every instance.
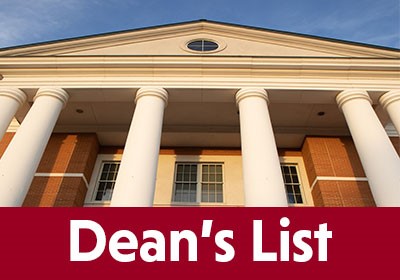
(10, 101)
(136, 180)
(391, 103)
(262, 176)
(378, 156)
(21, 159)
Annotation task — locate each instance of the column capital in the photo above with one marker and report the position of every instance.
(152, 91)
(351, 94)
(251, 92)
(55, 92)
(14, 93)
(389, 97)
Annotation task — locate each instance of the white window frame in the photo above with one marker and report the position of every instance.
(199, 183)
(295, 160)
(92, 190)
(302, 175)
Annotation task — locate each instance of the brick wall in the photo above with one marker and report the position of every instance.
(332, 164)
(63, 172)
(5, 141)
(326, 158)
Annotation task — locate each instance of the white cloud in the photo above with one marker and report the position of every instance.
(377, 23)
(24, 21)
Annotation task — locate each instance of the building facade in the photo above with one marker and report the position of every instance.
(199, 113)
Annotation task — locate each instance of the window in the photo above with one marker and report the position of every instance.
(292, 184)
(106, 180)
(202, 46)
(198, 182)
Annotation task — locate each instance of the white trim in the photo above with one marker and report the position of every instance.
(70, 175)
(266, 72)
(333, 178)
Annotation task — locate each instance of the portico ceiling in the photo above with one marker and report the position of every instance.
(201, 117)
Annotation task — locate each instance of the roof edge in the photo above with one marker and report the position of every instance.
(333, 40)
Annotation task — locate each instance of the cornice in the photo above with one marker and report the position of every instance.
(201, 71)
(80, 62)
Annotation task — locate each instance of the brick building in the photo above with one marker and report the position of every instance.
(199, 113)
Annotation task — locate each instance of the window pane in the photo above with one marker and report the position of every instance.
(113, 167)
(106, 167)
(211, 197)
(185, 177)
(186, 174)
(101, 186)
(179, 177)
(291, 179)
(212, 169)
(211, 188)
(202, 45)
(103, 176)
(179, 168)
(285, 169)
(193, 196)
(212, 178)
(299, 199)
(185, 184)
(110, 176)
(196, 46)
(99, 196)
(106, 182)
(212, 192)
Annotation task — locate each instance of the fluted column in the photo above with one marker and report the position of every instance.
(21, 159)
(263, 182)
(378, 156)
(391, 103)
(10, 101)
(135, 183)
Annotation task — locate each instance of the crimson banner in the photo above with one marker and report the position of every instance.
(195, 243)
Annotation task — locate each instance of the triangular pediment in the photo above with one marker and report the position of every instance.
(233, 40)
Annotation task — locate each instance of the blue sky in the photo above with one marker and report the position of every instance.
(366, 21)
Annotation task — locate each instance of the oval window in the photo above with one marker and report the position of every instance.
(202, 46)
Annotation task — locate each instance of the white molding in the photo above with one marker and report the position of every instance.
(333, 178)
(69, 175)
(230, 72)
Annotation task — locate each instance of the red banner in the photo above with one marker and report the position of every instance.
(195, 243)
